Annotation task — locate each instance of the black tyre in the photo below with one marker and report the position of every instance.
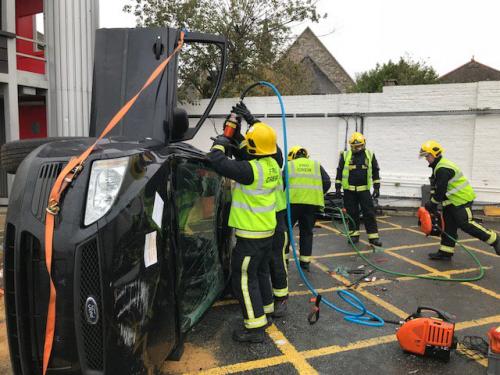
(13, 153)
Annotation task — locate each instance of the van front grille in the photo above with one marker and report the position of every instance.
(91, 313)
(46, 178)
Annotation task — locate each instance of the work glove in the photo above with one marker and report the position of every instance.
(221, 143)
(241, 109)
(376, 193)
(431, 207)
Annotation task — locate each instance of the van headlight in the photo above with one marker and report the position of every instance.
(106, 178)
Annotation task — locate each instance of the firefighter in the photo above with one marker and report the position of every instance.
(277, 265)
(451, 189)
(253, 216)
(356, 171)
(308, 184)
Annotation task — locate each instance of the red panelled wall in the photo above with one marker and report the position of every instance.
(32, 114)
(25, 12)
(32, 121)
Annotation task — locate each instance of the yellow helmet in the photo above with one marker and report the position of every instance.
(261, 139)
(357, 140)
(431, 147)
(296, 152)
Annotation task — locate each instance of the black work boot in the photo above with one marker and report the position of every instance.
(354, 239)
(496, 246)
(305, 266)
(255, 335)
(375, 242)
(440, 255)
(280, 308)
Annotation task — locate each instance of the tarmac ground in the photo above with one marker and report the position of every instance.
(333, 345)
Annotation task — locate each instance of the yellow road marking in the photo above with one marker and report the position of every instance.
(386, 305)
(381, 230)
(415, 231)
(299, 293)
(285, 347)
(397, 226)
(441, 273)
(465, 352)
(489, 292)
(389, 338)
(404, 247)
(489, 253)
(414, 262)
(341, 254)
(243, 366)
(328, 227)
(333, 349)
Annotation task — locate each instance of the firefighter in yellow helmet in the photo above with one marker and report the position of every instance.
(253, 217)
(277, 263)
(308, 183)
(356, 172)
(451, 189)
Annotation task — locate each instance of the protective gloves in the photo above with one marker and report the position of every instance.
(241, 109)
(221, 143)
(376, 193)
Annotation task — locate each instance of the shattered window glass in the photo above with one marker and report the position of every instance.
(200, 278)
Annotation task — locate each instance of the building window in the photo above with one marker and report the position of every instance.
(39, 32)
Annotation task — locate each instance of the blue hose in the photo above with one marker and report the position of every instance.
(361, 315)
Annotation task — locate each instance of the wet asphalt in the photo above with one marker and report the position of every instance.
(335, 346)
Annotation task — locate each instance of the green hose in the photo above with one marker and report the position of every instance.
(437, 278)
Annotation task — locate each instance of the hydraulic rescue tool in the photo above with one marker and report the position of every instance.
(426, 335)
(430, 223)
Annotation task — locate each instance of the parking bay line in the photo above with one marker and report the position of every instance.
(386, 305)
(289, 351)
(481, 289)
(329, 350)
(389, 338)
(299, 293)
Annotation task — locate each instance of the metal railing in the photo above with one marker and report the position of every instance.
(35, 42)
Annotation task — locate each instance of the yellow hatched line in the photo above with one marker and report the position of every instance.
(382, 230)
(386, 305)
(489, 253)
(299, 293)
(397, 226)
(415, 231)
(243, 366)
(463, 351)
(486, 291)
(328, 350)
(330, 228)
(285, 347)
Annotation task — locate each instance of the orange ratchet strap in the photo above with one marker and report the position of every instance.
(67, 175)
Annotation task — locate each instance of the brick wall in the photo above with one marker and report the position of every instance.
(472, 141)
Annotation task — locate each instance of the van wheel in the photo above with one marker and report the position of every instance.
(13, 153)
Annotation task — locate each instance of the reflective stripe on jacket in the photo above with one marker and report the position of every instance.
(459, 191)
(306, 185)
(346, 171)
(253, 207)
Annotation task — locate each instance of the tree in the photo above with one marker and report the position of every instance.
(405, 72)
(258, 31)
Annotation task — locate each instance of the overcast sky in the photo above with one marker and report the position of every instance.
(359, 33)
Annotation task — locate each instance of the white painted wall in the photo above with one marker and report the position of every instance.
(472, 141)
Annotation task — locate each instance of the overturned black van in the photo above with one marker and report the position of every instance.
(141, 244)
